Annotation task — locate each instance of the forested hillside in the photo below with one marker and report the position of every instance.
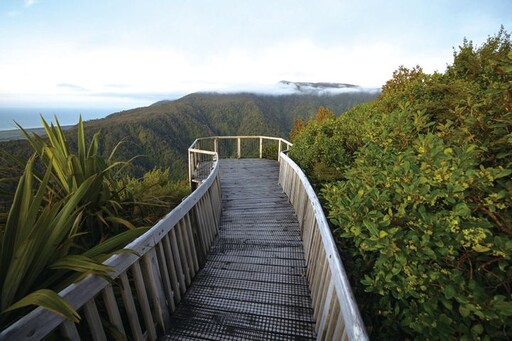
(418, 189)
(161, 133)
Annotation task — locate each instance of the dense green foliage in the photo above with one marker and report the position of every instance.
(418, 189)
(63, 222)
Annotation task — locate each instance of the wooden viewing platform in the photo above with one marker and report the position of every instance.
(248, 255)
(253, 285)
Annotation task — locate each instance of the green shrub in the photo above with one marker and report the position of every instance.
(421, 204)
(154, 195)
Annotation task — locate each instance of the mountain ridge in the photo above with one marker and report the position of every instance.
(162, 132)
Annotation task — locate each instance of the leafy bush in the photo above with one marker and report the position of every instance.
(153, 195)
(421, 200)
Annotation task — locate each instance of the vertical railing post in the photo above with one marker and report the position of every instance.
(190, 168)
(239, 147)
(261, 147)
(216, 145)
(279, 149)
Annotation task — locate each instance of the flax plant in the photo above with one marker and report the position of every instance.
(61, 226)
(106, 210)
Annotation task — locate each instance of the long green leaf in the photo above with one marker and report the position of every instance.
(81, 142)
(81, 263)
(62, 226)
(16, 272)
(10, 230)
(114, 243)
(47, 299)
(121, 221)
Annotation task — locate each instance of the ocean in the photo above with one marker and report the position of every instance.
(30, 117)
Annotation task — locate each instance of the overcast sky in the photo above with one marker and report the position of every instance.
(127, 51)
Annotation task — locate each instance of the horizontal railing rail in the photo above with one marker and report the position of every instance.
(147, 283)
(335, 310)
(205, 150)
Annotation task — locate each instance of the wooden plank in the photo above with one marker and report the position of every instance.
(166, 277)
(192, 244)
(154, 283)
(129, 304)
(112, 309)
(68, 330)
(177, 261)
(183, 255)
(172, 270)
(143, 301)
(94, 321)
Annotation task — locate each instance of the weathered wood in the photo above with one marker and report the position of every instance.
(69, 331)
(322, 258)
(94, 321)
(140, 288)
(154, 283)
(253, 284)
(166, 278)
(131, 310)
(172, 270)
(113, 309)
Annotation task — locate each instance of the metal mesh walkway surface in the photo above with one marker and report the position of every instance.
(253, 284)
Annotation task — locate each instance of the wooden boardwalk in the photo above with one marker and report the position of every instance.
(253, 285)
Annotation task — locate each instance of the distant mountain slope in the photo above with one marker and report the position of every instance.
(162, 132)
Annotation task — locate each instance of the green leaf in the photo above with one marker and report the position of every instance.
(464, 310)
(477, 329)
(449, 291)
(372, 227)
(462, 209)
(115, 243)
(81, 263)
(47, 299)
(503, 173)
(121, 221)
(480, 248)
(503, 307)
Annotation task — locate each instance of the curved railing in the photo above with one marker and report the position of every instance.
(205, 150)
(147, 283)
(335, 310)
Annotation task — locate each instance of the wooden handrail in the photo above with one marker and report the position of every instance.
(335, 308)
(150, 281)
(198, 154)
(156, 272)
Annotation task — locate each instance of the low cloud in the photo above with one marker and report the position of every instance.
(293, 88)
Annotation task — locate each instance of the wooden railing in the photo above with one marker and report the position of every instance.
(147, 283)
(335, 310)
(204, 151)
